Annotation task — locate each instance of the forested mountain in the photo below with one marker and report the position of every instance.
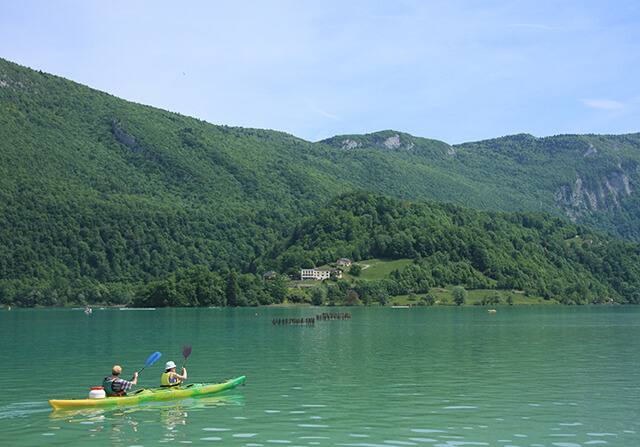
(98, 195)
(539, 254)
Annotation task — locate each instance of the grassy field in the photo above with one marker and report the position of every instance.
(375, 269)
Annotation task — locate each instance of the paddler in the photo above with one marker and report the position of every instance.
(170, 377)
(115, 386)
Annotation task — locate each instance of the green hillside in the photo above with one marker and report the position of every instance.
(535, 253)
(99, 195)
(588, 179)
(99, 191)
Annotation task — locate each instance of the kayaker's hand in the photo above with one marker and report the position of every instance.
(135, 375)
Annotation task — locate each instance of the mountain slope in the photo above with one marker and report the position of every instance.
(96, 191)
(588, 179)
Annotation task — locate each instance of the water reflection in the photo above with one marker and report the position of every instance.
(122, 424)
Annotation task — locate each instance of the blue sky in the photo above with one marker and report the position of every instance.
(452, 70)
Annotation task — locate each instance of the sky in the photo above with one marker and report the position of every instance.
(451, 70)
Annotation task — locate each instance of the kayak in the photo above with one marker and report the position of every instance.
(149, 395)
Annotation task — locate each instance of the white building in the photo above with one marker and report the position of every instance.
(319, 274)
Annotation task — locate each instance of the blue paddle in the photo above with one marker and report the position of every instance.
(150, 361)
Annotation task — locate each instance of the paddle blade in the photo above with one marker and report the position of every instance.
(185, 352)
(152, 359)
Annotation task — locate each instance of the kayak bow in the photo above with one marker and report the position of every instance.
(149, 395)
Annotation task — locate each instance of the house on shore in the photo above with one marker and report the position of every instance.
(320, 274)
(343, 262)
(269, 276)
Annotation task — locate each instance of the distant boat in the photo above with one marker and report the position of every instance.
(400, 307)
(492, 311)
(137, 308)
(88, 310)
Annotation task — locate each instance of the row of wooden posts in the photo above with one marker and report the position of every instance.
(335, 316)
(311, 320)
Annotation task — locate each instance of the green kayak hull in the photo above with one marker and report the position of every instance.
(149, 395)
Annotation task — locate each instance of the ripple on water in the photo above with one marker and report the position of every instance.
(399, 443)
(21, 409)
(460, 407)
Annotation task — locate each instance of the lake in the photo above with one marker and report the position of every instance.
(439, 376)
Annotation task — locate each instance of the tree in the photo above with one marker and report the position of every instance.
(277, 291)
(459, 294)
(335, 295)
(382, 296)
(298, 295)
(355, 270)
(429, 299)
(232, 291)
(318, 295)
(494, 298)
(351, 298)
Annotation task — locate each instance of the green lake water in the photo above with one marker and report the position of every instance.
(443, 376)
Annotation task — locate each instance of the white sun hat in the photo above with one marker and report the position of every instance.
(169, 365)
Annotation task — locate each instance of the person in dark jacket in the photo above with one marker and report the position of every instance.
(115, 386)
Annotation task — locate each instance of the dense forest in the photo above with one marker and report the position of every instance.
(451, 245)
(100, 197)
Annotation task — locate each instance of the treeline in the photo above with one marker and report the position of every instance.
(536, 253)
(199, 287)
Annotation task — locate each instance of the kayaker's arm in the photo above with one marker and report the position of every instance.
(135, 379)
(183, 376)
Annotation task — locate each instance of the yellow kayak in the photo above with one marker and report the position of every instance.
(149, 395)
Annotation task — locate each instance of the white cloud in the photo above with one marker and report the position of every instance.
(603, 104)
(321, 112)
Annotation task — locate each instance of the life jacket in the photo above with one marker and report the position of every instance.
(107, 384)
(166, 380)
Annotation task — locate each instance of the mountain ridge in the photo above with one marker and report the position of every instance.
(98, 190)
